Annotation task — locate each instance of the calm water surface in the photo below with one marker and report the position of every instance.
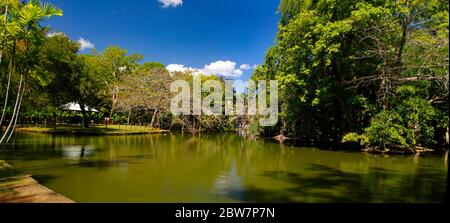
(219, 168)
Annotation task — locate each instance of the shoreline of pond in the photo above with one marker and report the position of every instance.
(123, 130)
(358, 148)
(16, 187)
(93, 131)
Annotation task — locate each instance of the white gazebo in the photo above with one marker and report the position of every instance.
(76, 107)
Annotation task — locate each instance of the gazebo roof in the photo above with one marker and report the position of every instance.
(76, 107)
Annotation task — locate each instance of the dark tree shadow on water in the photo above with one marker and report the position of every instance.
(30, 152)
(44, 178)
(101, 164)
(329, 184)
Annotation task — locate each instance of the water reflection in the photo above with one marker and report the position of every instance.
(229, 184)
(220, 168)
(77, 152)
(333, 185)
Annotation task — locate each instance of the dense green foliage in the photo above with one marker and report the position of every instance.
(21, 41)
(374, 70)
(373, 73)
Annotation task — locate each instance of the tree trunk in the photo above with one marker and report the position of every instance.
(115, 93)
(405, 24)
(17, 115)
(447, 136)
(54, 119)
(14, 111)
(11, 71)
(85, 115)
(153, 118)
(129, 114)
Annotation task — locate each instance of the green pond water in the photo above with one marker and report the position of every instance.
(219, 168)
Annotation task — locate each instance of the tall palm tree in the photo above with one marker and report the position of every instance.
(3, 41)
(23, 29)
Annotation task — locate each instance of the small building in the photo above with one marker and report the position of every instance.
(76, 107)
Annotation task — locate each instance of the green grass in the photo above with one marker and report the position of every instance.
(97, 130)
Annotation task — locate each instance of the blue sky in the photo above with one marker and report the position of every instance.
(209, 35)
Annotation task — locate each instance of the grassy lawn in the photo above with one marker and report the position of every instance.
(97, 130)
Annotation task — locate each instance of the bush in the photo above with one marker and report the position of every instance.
(386, 130)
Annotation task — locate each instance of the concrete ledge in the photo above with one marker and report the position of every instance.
(25, 189)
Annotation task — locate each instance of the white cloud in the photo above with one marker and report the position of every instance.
(222, 68)
(255, 66)
(238, 72)
(170, 3)
(52, 34)
(85, 44)
(245, 67)
(179, 68)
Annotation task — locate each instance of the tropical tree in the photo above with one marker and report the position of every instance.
(69, 76)
(342, 65)
(146, 90)
(110, 67)
(22, 35)
(197, 123)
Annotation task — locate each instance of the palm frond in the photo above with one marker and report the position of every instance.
(36, 2)
(10, 3)
(51, 10)
(29, 13)
(13, 29)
